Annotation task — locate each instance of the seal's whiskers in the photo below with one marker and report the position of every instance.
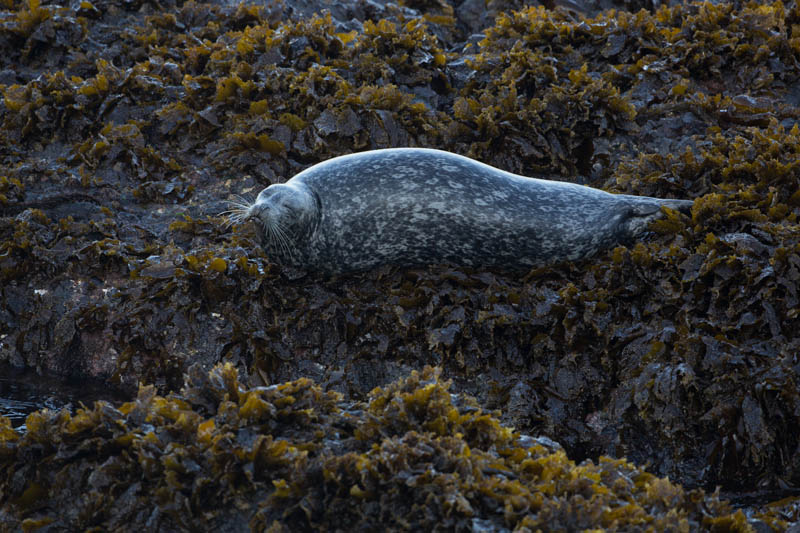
(239, 211)
(281, 239)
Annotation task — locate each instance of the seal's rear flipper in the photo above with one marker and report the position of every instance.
(643, 210)
(684, 206)
(653, 205)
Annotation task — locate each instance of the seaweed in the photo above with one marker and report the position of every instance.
(292, 456)
(127, 125)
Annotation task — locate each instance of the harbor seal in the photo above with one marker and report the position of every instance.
(419, 206)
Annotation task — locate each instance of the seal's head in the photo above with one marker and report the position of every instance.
(285, 215)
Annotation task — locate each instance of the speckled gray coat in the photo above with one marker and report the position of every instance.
(415, 206)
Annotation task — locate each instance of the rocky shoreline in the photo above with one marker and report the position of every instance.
(126, 126)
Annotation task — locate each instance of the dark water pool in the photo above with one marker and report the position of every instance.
(25, 391)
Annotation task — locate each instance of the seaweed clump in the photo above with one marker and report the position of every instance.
(292, 457)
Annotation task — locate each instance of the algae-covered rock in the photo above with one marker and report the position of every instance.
(127, 125)
(292, 457)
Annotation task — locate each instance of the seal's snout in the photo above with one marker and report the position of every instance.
(252, 211)
(247, 213)
(259, 212)
(240, 210)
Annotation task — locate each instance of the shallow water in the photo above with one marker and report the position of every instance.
(25, 391)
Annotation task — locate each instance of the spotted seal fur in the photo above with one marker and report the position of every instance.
(418, 206)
